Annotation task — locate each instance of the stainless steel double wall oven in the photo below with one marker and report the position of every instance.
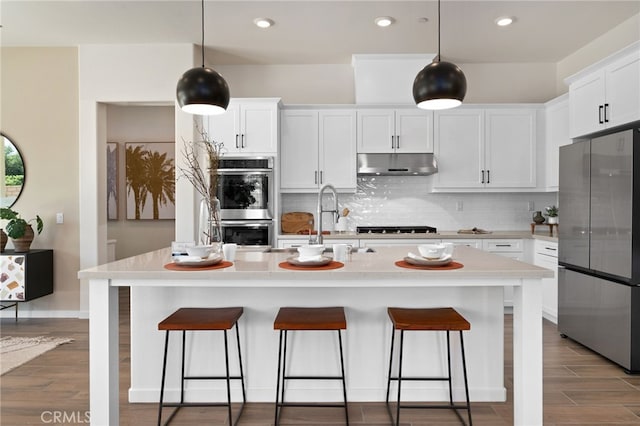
(245, 191)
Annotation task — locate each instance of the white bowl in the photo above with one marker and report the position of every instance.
(311, 250)
(431, 251)
(200, 251)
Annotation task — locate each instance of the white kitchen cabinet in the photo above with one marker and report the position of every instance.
(474, 243)
(556, 135)
(317, 147)
(546, 256)
(485, 148)
(290, 243)
(607, 94)
(249, 126)
(402, 130)
(511, 248)
(410, 242)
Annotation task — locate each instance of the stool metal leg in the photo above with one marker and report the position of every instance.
(244, 397)
(449, 369)
(464, 371)
(278, 380)
(393, 335)
(184, 339)
(226, 363)
(164, 372)
(344, 384)
(399, 376)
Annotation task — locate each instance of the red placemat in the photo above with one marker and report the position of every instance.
(331, 265)
(175, 267)
(452, 265)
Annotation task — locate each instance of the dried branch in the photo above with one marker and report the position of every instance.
(194, 172)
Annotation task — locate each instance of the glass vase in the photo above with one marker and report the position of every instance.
(209, 225)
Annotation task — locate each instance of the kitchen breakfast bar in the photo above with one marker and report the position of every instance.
(366, 285)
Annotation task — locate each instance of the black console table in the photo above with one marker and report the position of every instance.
(25, 276)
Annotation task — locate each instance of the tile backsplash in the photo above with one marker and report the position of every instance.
(407, 200)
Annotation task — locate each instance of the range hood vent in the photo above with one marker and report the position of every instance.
(397, 164)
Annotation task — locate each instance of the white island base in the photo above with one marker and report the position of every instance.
(366, 286)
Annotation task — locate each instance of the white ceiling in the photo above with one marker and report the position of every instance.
(308, 31)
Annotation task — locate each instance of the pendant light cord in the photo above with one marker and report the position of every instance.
(202, 26)
(438, 30)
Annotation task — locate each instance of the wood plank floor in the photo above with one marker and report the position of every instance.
(580, 388)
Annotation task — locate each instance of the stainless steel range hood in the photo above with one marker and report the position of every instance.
(397, 164)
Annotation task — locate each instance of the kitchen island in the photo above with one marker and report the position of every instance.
(365, 286)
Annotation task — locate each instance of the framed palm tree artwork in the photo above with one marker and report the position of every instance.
(112, 180)
(150, 180)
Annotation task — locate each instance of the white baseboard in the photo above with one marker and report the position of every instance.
(11, 313)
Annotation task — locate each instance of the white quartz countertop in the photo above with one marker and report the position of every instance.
(449, 235)
(363, 269)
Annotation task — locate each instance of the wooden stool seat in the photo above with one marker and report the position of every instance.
(310, 319)
(201, 319)
(437, 319)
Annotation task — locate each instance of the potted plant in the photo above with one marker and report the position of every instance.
(552, 214)
(20, 230)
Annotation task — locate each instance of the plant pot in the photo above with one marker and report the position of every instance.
(3, 240)
(552, 220)
(22, 244)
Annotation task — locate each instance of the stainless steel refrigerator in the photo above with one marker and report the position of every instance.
(599, 245)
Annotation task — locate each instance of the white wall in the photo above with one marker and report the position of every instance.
(619, 37)
(135, 74)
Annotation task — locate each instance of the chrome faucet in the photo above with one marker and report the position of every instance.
(320, 209)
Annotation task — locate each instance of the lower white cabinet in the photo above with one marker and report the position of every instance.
(546, 256)
(287, 243)
(510, 248)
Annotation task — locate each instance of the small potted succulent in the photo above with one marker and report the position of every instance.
(552, 214)
(20, 230)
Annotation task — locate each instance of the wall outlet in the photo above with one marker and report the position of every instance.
(531, 206)
(459, 206)
(59, 218)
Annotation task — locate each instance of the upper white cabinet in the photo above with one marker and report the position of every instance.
(317, 147)
(408, 130)
(248, 126)
(485, 148)
(607, 94)
(556, 135)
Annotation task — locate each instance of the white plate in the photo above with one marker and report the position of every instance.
(428, 262)
(190, 261)
(293, 260)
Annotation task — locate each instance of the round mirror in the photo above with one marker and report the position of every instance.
(12, 173)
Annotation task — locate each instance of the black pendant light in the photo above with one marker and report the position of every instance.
(202, 90)
(440, 85)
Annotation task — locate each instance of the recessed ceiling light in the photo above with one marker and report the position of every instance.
(504, 21)
(384, 21)
(263, 22)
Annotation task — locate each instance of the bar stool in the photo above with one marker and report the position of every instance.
(307, 319)
(201, 319)
(437, 319)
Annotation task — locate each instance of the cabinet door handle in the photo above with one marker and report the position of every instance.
(606, 107)
(315, 177)
(503, 245)
(488, 176)
(237, 136)
(482, 176)
(242, 140)
(549, 248)
(397, 142)
(600, 108)
(392, 143)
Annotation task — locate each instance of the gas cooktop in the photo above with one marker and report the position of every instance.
(396, 230)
